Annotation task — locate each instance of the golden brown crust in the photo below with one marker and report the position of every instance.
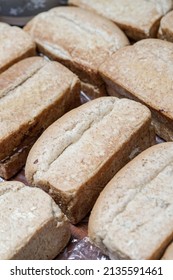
(77, 38)
(144, 72)
(132, 218)
(35, 92)
(138, 19)
(32, 225)
(166, 27)
(15, 45)
(87, 147)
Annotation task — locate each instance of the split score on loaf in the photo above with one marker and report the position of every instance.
(133, 216)
(33, 94)
(87, 146)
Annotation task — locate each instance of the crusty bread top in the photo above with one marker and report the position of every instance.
(24, 211)
(136, 18)
(166, 27)
(76, 36)
(26, 90)
(14, 43)
(82, 141)
(133, 216)
(145, 70)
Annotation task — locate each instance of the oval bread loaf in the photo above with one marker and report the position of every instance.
(133, 216)
(32, 225)
(77, 155)
(80, 40)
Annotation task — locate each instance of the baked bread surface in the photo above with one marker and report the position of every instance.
(139, 19)
(166, 27)
(32, 225)
(133, 216)
(33, 94)
(77, 38)
(87, 146)
(15, 44)
(144, 72)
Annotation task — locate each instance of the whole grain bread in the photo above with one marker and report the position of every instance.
(33, 94)
(15, 44)
(144, 72)
(79, 39)
(166, 27)
(32, 225)
(138, 19)
(133, 216)
(87, 146)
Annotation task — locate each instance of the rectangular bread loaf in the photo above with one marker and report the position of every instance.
(32, 225)
(138, 19)
(15, 44)
(78, 39)
(166, 27)
(133, 216)
(33, 94)
(144, 72)
(87, 146)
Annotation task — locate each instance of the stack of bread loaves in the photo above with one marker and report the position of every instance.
(100, 156)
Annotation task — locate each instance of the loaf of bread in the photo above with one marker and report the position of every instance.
(87, 146)
(138, 19)
(168, 254)
(80, 40)
(133, 216)
(32, 225)
(166, 27)
(144, 72)
(33, 94)
(15, 44)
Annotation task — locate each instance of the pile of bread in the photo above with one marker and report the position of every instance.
(101, 155)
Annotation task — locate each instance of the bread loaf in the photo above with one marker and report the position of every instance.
(166, 27)
(33, 94)
(80, 40)
(32, 225)
(139, 19)
(144, 72)
(15, 44)
(87, 146)
(133, 216)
